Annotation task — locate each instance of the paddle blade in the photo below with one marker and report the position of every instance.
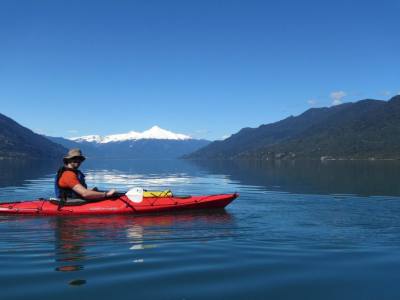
(135, 195)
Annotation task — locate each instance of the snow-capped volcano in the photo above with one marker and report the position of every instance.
(154, 133)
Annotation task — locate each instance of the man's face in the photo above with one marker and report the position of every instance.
(75, 162)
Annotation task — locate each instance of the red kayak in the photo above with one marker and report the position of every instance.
(121, 205)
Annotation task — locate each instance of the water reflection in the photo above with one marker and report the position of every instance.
(313, 177)
(305, 177)
(143, 167)
(119, 178)
(17, 172)
(80, 239)
(35, 179)
(69, 245)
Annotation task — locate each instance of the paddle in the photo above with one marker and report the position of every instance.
(133, 194)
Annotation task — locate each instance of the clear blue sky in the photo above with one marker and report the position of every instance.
(204, 68)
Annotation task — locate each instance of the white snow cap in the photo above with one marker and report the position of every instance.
(154, 132)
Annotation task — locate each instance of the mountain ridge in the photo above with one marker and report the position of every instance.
(360, 130)
(135, 149)
(19, 142)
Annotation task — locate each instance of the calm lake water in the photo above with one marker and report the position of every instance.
(299, 230)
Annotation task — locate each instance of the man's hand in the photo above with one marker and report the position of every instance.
(111, 192)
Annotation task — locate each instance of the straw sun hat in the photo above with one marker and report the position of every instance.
(74, 153)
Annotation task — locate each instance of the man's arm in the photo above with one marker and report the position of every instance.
(90, 194)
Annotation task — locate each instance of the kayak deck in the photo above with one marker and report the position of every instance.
(121, 205)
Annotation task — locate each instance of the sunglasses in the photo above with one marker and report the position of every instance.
(76, 160)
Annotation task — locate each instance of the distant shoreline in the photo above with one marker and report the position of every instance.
(9, 158)
(292, 159)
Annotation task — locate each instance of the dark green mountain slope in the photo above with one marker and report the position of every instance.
(365, 129)
(17, 141)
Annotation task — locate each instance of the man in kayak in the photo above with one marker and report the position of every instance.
(70, 182)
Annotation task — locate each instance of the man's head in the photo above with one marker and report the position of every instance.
(74, 158)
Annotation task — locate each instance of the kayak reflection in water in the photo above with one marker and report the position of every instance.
(70, 181)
